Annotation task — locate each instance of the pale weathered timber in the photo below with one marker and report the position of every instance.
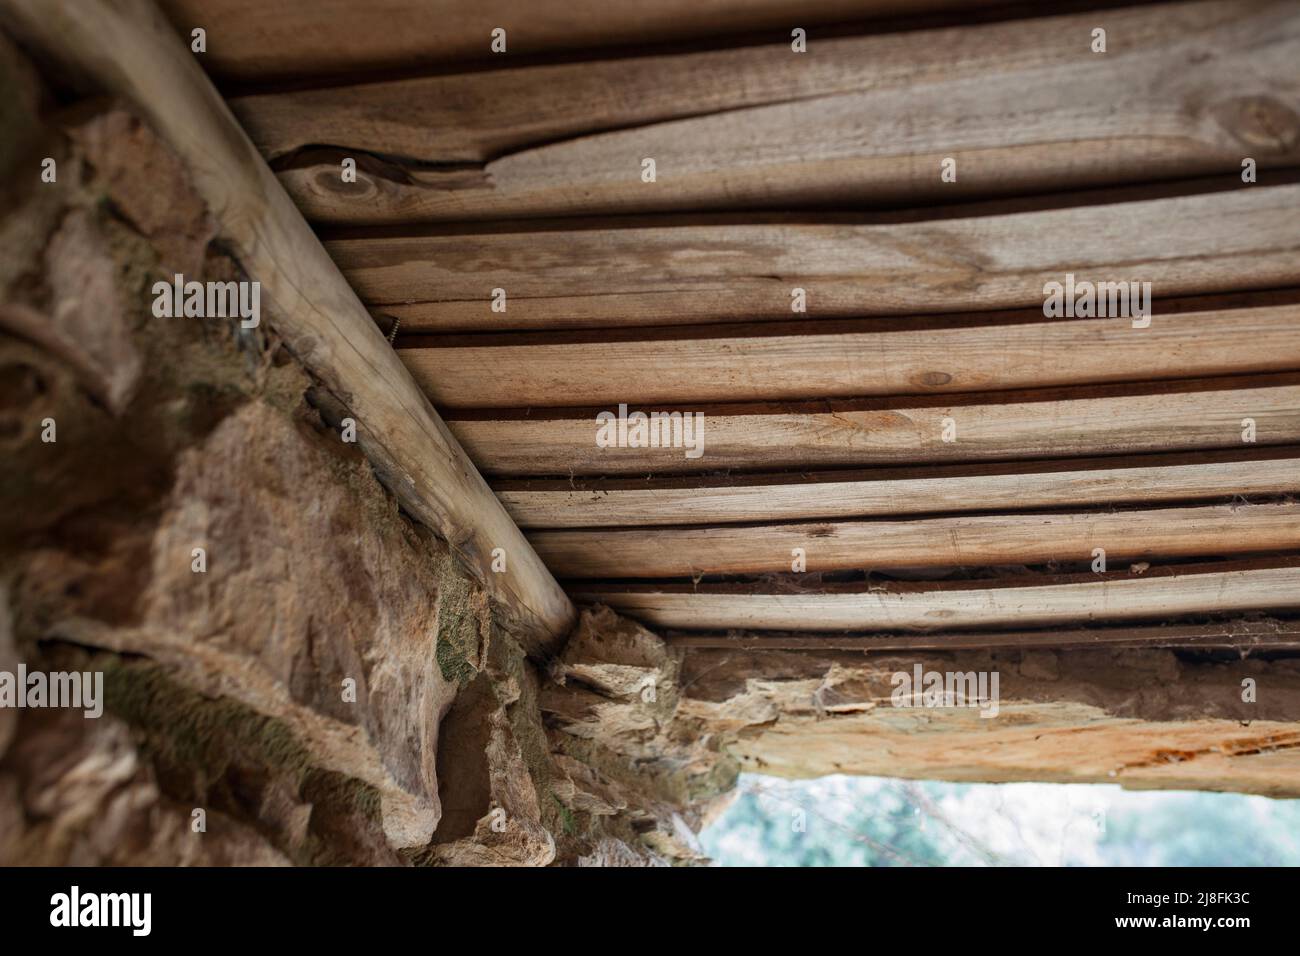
(893, 359)
(1116, 596)
(128, 49)
(252, 41)
(644, 272)
(1021, 106)
(1137, 717)
(561, 503)
(1244, 635)
(766, 437)
(480, 114)
(966, 540)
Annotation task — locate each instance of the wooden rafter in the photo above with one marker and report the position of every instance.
(126, 47)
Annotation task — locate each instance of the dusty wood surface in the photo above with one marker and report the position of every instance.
(696, 269)
(857, 120)
(964, 541)
(890, 361)
(763, 437)
(481, 114)
(1235, 634)
(702, 500)
(1159, 594)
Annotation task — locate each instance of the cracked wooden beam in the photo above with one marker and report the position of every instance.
(1241, 635)
(861, 119)
(1161, 593)
(1004, 538)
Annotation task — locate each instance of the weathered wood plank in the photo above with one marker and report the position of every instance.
(481, 114)
(635, 273)
(253, 41)
(1156, 595)
(548, 503)
(963, 541)
(894, 359)
(1241, 634)
(1022, 106)
(311, 306)
(765, 438)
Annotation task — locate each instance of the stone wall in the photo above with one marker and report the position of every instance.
(294, 672)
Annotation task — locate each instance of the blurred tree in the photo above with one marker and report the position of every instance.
(847, 821)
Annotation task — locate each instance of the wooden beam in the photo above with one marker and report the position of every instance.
(126, 48)
(701, 268)
(963, 541)
(808, 436)
(894, 358)
(1159, 594)
(482, 114)
(1240, 635)
(561, 503)
(251, 41)
(857, 120)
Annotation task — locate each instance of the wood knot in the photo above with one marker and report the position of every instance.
(1261, 122)
(932, 379)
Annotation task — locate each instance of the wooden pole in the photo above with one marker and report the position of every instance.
(126, 48)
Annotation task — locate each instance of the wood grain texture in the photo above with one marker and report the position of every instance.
(482, 114)
(963, 541)
(769, 438)
(633, 273)
(1022, 106)
(899, 342)
(252, 41)
(1112, 597)
(1239, 634)
(834, 365)
(705, 501)
(310, 305)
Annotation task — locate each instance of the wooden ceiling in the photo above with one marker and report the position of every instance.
(943, 454)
